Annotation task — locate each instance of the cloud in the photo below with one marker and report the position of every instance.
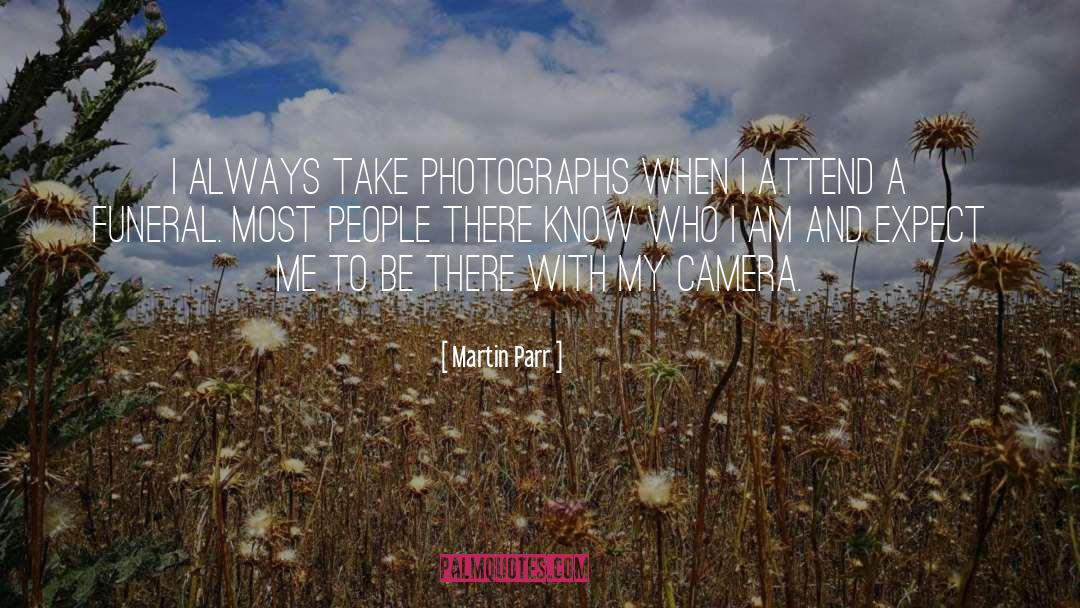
(25, 28)
(407, 79)
(222, 59)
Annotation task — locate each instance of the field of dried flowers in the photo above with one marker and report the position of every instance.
(899, 447)
(723, 448)
(308, 451)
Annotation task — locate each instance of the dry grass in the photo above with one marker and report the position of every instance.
(331, 469)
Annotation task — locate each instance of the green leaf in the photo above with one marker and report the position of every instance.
(94, 417)
(93, 579)
(95, 317)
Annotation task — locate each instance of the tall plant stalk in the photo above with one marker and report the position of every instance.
(564, 416)
(929, 289)
(984, 517)
(704, 428)
(32, 512)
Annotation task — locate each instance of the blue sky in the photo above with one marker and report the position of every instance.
(541, 17)
(262, 88)
(195, 25)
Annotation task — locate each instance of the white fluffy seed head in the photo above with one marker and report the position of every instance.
(167, 413)
(53, 238)
(419, 484)
(263, 335)
(1035, 437)
(286, 556)
(259, 524)
(293, 466)
(654, 489)
(51, 199)
(858, 504)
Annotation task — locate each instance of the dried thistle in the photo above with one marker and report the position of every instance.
(656, 167)
(944, 132)
(569, 522)
(632, 210)
(828, 277)
(775, 132)
(746, 203)
(860, 236)
(59, 246)
(999, 266)
(657, 252)
(655, 491)
(923, 266)
(48, 200)
(224, 260)
(552, 294)
(262, 336)
(724, 297)
(1023, 453)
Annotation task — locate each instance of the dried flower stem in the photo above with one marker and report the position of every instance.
(928, 291)
(702, 458)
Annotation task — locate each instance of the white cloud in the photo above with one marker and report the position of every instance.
(222, 59)
(410, 81)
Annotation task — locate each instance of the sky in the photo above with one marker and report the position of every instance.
(603, 78)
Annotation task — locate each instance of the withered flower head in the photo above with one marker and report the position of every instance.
(167, 414)
(554, 293)
(224, 260)
(860, 236)
(633, 210)
(657, 252)
(250, 550)
(59, 245)
(568, 521)
(419, 484)
(261, 524)
(746, 202)
(726, 293)
(782, 343)
(227, 479)
(999, 266)
(293, 467)
(655, 490)
(812, 418)
(262, 336)
(828, 277)
(1036, 439)
(833, 445)
(944, 132)
(286, 558)
(1023, 453)
(923, 266)
(656, 166)
(775, 132)
(1068, 269)
(49, 200)
(59, 516)
(14, 464)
